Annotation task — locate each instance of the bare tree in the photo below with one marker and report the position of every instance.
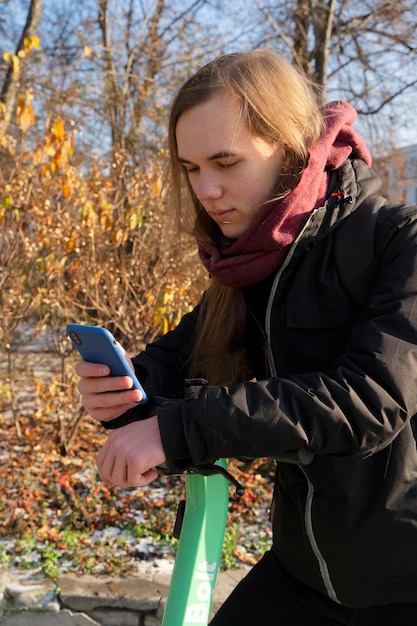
(365, 52)
(135, 55)
(313, 23)
(126, 92)
(110, 67)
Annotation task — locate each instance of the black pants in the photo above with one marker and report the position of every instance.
(269, 596)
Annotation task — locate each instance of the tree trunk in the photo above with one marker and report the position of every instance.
(300, 54)
(9, 91)
(316, 17)
(323, 17)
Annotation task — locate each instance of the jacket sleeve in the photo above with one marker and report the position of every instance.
(162, 369)
(354, 409)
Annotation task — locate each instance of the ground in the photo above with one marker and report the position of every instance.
(56, 514)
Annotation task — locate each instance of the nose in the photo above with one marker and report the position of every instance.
(207, 187)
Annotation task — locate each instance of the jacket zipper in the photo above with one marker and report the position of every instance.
(274, 288)
(308, 519)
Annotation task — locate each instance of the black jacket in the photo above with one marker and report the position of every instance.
(342, 382)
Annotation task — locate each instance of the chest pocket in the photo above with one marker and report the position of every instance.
(315, 333)
(334, 310)
(336, 277)
(316, 295)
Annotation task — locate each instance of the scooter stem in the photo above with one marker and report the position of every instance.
(200, 545)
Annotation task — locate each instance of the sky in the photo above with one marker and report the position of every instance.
(395, 125)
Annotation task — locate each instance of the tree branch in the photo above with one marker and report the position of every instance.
(9, 91)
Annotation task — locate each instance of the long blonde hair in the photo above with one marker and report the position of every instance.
(278, 104)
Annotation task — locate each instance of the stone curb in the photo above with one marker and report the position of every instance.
(30, 600)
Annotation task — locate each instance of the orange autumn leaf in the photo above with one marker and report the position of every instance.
(25, 116)
(58, 129)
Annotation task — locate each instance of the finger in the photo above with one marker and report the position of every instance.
(107, 415)
(105, 464)
(110, 399)
(104, 384)
(88, 369)
(129, 478)
(115, 469)
(145, 478)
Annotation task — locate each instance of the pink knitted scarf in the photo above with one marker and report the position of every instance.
(262, 248)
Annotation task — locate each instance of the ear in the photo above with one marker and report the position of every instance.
(286, 158)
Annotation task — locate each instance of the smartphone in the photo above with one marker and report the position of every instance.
(97, 345)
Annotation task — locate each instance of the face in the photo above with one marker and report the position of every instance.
(231, 171)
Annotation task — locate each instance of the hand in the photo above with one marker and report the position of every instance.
(131, 453)
(102, 394)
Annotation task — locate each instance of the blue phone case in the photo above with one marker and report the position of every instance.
(97, 345)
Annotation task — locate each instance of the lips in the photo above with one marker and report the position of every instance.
(222, 217)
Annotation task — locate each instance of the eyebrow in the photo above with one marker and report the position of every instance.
(222, 154)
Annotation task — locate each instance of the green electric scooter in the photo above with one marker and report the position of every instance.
(200, 527)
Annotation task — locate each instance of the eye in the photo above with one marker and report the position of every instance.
(228, 165)
(190, 169)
